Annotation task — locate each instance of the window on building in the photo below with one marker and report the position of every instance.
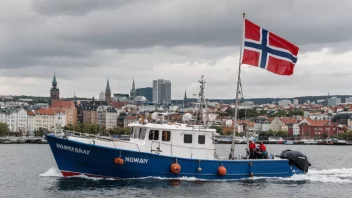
(166, 135)
(187, 138)
(153, 135)
(142, 133)
(201, 139)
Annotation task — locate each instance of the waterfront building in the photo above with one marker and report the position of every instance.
(161, 91)
(147, 92)
(89, 111)
(282, 124)
(51, 119)
(69, 109)
(15, 118)
(107, 116)
(310, 128)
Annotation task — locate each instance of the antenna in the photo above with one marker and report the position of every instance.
(202, 108)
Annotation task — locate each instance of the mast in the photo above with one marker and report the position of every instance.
(232, 154)
(202, 102)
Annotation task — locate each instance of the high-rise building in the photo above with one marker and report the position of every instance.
(107, 92)
(334, 101)
(348, 100)
(54, 91)
(121, 97)
(147, 92)
(161, 91)
(284, 102)
(295, 101)
(133, 91)
(102, 96)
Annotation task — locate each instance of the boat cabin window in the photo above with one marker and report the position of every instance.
(153, 135)
(142, 133)
(166, 135)
(201, 139)
(187, 138)
(132, 132)
(135, 133)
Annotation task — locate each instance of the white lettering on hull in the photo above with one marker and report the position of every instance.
(136, 160)
(72, 149)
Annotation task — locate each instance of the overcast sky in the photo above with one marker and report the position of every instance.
(88, 41)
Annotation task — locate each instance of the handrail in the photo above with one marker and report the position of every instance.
(87, 135)
(171, 145)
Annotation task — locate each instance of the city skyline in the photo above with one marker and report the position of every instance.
(85, 43)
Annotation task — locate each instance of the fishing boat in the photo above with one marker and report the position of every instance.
(160, 148)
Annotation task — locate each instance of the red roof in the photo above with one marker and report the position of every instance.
(30, 113)
(117, 105)
(63, 104)
(288, 120)
(316, 122)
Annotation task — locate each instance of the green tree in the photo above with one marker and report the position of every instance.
(230, 112)
(77, 128)
(218, 129)
(271, 133)
(39, 132)
(4, 129)
(68, 127)
(282, 133)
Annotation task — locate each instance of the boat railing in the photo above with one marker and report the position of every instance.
(104, 138)
(171, 146)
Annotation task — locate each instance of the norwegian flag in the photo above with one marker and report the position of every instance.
(268, 51)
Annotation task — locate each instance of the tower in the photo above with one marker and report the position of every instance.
(74, 98)
(185, 100)
(54, 91)
(107, 92)
(133, 91)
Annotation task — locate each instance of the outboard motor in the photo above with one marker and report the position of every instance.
(297, 159)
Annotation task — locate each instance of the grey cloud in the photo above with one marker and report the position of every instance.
(76, 7)
(124, 39)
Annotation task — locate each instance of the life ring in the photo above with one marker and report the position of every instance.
(175, 168)
(222, 170)
(119, 161)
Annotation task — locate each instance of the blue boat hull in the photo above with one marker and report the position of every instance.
(74, 158)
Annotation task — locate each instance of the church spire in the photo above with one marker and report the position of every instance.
(107, 89)
(133, 91)
(54, 81)
(74, 97)
(107, 92)
(185, 99)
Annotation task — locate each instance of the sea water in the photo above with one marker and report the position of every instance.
(29, 170)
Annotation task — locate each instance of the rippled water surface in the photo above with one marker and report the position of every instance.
(29, 170)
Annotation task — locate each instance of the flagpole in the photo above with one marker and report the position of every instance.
(232, 155)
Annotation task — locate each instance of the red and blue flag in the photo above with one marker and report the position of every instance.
(268, 51)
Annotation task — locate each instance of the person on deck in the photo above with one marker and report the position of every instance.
(262, 150)
(251, 149)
